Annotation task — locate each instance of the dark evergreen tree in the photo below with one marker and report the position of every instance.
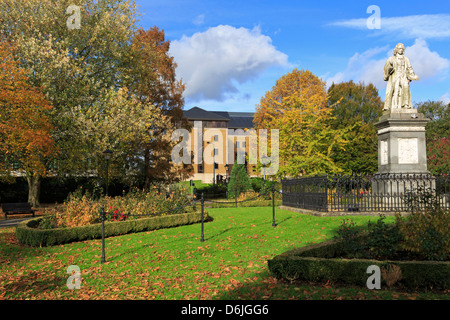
(239, 181)
(356, 106)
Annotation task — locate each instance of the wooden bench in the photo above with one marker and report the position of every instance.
(17, 208)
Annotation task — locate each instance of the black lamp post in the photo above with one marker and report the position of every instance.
(107, 154)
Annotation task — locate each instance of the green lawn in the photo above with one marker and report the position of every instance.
(173, 264)
(197, 183)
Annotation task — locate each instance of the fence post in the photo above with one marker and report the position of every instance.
(203, 205)
(103, 218)
(273, 206)
(235, 196)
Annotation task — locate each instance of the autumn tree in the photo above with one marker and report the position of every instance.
(82, 71)
(153, 81)
(121, 123)
(437, 135)
(25, 130)
(298, 107)
(72, 66)
(356, 107)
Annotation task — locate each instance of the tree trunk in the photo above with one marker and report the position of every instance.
(147, 168)
(34, 189)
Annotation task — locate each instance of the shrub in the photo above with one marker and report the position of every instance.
(249, 195)
(426, 231)
(217, 190)
(116, 215)
(318, 263)
(78, 211)
(383, 240)
(48, 221)
(83, 208)
(391, 274)
(147, 202)
(380, 240)
(421, 199)
(349, 235)
(265, 187)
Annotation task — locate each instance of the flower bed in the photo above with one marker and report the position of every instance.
(79, 218)
(27, 232)
(81, 209)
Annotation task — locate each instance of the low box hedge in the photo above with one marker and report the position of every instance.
(318, 263)
(28, 234)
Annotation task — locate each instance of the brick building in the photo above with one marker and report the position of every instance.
(217, 140)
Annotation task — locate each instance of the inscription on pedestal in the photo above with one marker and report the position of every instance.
(384, 152)
(408, 151)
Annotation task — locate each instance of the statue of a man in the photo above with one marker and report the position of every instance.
(399, 73)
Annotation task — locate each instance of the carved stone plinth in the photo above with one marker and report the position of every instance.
(402, 152)
(401, 142)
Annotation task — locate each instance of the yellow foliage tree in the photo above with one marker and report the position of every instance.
(298, 107)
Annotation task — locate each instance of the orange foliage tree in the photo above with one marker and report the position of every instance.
(25, 140)
(153, 80)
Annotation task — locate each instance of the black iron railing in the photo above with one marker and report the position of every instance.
(363, 192)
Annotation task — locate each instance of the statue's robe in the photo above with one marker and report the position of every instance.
(399, 73)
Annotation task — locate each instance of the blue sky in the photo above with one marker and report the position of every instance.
(230, 53)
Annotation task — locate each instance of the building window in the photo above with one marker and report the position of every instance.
(215, 124)
(216, 138)
(216, 151)
(216, 165)
(200, 168)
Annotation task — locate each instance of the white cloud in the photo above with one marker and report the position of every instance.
(426, 64)
(212, 62)
(445, 98)
(364, 66)
(408, 27)
(368, 66)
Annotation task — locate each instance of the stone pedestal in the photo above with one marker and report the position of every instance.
(401, 142)
(402, 153)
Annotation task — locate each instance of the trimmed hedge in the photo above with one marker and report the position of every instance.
(28, 234)
(317, 263)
